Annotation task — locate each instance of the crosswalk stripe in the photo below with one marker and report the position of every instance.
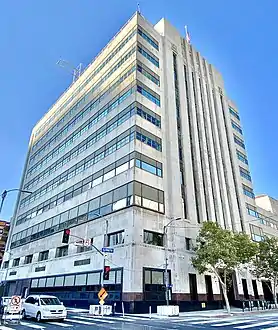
(223, 324)
(190, 319)
(81, 322)
(93, 318)
(34, 326)
(272, 328)
(255, 325)
(60, 324)
(206, 321)
(134, 318)
(2, 327)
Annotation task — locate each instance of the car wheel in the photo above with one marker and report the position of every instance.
(24, 315)
(38, 317)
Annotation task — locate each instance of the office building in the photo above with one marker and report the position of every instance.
(146, 135)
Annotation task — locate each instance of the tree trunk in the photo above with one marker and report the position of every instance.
(224, 289)
(274, 290)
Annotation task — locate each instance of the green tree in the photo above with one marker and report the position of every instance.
(220, 251)
(265, 264)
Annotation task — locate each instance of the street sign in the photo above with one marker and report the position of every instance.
(87, 242)
(102, 294)
(101, 302)
(107, 250)
(15, 304)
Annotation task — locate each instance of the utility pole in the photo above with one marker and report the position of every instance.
(166, 277)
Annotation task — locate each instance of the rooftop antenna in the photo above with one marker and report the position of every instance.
(75, 72)
(138, 8)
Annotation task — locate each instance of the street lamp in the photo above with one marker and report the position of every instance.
(5, 192)
(166, 258)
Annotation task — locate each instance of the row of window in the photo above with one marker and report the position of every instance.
(239, 142)
(121, 165)
(140, 110)
(78, 89)
(150, 57)
(149, 94)
(148, 38)
(256, 233)
(234, 113)
(242, 157)
(236, 127)
(148, 73)
(157, 239)
(251, 210)
(248, 191)
(66, 129)
(245, 174)
(113, 239)
(103, 112)
(134, 108)
(81, 87)
(46, 159)
(94, 137)
(95, 157)
(133, 193)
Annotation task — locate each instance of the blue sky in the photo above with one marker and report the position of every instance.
(238, 37)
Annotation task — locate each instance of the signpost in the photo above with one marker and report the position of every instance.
(107, 250)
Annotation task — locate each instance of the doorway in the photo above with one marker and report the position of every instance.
(267, 290)
(245, 288)
(255, 289)
(209, 288)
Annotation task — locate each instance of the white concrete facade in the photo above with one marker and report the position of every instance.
(171, 121)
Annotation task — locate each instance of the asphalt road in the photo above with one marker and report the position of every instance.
(81, 321)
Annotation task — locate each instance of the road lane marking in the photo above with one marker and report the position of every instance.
(60, 324)
(34, 326)
(255, 325)
(95, 318)
(2, 327)
(223, 324)
(80, 322)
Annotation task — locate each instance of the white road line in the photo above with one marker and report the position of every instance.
(60, 324)
(134, 318)
(223, 324)
(92, 318)
(191, 319)
(206, 321)
(81, 322)
(2, 327)
(255, 325)
(272, 328)
(30, 325)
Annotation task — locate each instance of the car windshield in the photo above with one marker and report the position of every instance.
(50, 301)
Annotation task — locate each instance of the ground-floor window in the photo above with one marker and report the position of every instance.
(154, 284)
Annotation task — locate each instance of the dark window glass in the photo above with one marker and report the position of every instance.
(43, 255)
(153, 238)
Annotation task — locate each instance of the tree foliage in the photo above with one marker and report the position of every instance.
(220, 251)
(265, 264)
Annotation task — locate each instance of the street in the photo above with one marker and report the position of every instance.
(262, 321)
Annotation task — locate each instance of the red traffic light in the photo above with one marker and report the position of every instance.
(106, 272)
(66, 236)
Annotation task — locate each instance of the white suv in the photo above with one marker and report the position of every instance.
(44, 307)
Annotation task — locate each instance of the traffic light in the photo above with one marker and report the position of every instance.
(106, 272)
(66, 236)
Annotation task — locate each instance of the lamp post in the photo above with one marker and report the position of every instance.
(5, 192)
(166, 279)
(105, 238)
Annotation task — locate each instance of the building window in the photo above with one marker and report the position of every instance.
(6, 264)
(16, 262)
(256, 233)
(153, 97)
(245, 174)
(28, 259)
(148, 38)
(242, 157)
(248, 191)
(236, 127)
(239, 142)
(116, 238)
(82, 262)
(188, 243)
(153, 238)
(62, 251)
(251, 210)
(148, 56)
(193, 287)
(234, 113)
(81, 249)
(43, 255)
